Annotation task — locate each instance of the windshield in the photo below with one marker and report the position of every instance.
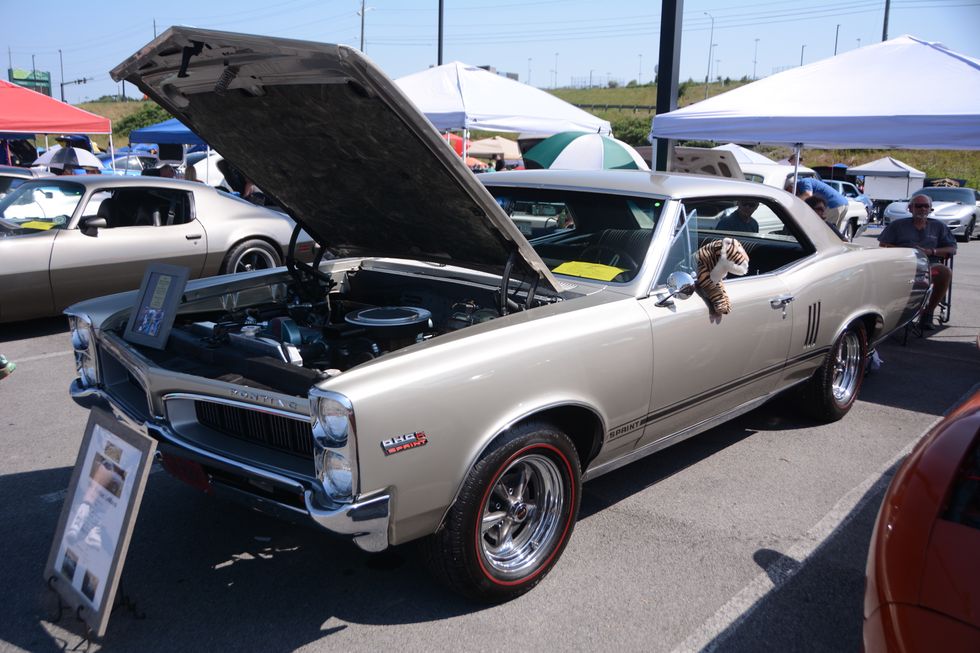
(964, 195)
(597, 236)
(39, 206)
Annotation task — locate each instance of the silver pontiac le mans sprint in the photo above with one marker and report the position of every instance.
(435, 376)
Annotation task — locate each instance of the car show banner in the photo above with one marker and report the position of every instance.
(96, 523)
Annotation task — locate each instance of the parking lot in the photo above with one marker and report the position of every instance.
(752, 536)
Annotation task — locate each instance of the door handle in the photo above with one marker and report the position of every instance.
(193, 236)
(781, 301)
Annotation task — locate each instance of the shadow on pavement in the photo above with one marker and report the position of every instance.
(829, 583)
(33, 328)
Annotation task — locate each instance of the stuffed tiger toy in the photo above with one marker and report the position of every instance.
(715, 260)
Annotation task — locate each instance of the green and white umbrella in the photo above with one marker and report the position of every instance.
(575, 150)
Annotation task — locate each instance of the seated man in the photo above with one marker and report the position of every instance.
(741, 219)
(932, 238)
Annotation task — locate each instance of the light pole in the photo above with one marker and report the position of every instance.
(639, 74)
(590, 77)
(711, 40)
(529, 71)
(361, 14)
(755, 57)
(556, 70)
(836, 37)
(801, 53)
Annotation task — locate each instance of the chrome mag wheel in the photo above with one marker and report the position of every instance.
(523, 516)
(847, 367)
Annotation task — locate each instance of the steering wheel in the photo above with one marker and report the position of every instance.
(609, 256)
(306, 276)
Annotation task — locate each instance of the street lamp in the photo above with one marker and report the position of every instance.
(590, 77)
(801, 53)
(361, 14)
(755, 57)
(711, 39)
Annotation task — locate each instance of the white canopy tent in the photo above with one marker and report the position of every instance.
(459, 96)
(888, 178)
(886, 103)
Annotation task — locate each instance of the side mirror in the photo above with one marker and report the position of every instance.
(90, 225)
(679, 285)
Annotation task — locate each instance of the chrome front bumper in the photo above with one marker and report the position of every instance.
(365, 521)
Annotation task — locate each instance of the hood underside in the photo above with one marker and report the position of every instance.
(333, 139)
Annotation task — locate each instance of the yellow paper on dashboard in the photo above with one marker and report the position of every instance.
(596, 271)
(37, 224)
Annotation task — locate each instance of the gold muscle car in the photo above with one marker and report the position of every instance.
(434, 375)
(65, 239)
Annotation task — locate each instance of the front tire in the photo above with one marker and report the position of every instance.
(513, 517)
(829, 395)
(251, 255)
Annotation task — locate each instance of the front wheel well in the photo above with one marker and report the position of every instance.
(582, 426)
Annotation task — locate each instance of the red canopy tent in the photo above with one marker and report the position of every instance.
(24, 111)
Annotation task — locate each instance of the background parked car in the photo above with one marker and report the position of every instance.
(13, 176)
(70, 238)
(958, 208)
(851, 192)
(923, 578)
(130, 165)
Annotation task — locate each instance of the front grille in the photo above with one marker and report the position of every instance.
(274, 431)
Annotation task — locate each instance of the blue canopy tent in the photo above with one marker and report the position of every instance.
(168, 132)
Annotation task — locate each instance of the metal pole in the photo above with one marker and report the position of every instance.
(884, 27)
(711, 41)
(439, 62)
(755, 57)
(62, 62)
(801, 53)
(836, 35)
(154, 28)
(590, 77)
(667, 70)
(362, 25)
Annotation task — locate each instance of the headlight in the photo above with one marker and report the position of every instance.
(337, 475)
(81, 342)
(334, 421)
(334, 444)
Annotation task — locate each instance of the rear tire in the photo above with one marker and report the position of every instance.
(829, 395)
(849, 231)
(251, 255)
(513, 516)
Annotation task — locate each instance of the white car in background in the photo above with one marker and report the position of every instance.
(957, 208)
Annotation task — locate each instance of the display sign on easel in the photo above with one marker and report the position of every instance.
(97, 519)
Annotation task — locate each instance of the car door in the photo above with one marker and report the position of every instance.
(34, 215)
(706, 364)
(114, 259)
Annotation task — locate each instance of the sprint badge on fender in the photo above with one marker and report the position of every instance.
(404, 442)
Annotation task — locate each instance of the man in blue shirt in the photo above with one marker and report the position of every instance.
(932, 238)
(836, 203)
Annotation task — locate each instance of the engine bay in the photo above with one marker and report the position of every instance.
(291, 342)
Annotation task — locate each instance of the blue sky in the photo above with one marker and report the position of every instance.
(617, 39)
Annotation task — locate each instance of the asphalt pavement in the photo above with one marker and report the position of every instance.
(750, 537)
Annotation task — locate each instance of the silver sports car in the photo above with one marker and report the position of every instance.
(957, 208)
(439, 377)
(64, 239)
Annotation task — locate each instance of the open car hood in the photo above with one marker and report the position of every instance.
(322, 129)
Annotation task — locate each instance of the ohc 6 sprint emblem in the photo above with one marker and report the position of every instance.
(403, 442)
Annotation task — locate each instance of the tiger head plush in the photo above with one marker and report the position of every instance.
(715, 261)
